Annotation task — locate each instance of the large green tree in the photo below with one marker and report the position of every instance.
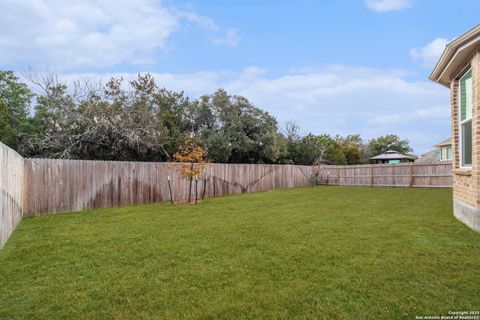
(388, 142)
(314, 149)
(92, 121)
(176, 116)
(239, 131)
(15, 98)
(352, 148)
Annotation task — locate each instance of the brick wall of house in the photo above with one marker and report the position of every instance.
(463, 189)
(466, 183)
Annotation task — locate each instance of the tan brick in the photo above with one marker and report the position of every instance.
(466, 188)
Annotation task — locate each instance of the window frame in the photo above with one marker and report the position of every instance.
(461, 122)
(449, 153)
(445, 155)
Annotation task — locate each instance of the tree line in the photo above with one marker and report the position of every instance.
(140, 121)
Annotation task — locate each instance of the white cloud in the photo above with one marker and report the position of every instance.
(333, 99)
(202, 21)
(93, 34)
(229, 38)
(441, 112)
(430, 53)
(387, 5)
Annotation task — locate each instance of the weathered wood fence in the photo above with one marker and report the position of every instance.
(438, 174)
(73, 185)
(11, 191)
(32, 187)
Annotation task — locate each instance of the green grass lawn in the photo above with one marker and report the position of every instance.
(307, 253)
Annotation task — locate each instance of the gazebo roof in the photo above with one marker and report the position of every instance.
(391, 155)
(454, 56)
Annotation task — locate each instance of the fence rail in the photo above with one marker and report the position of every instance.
(438, 174)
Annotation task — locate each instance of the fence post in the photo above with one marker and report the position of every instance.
(410, 175)
(338, 176)
(370, 173)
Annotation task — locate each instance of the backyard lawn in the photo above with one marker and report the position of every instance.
(305, 253)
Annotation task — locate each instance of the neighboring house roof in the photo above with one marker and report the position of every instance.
(391, 155)
(444, 143)
(454, 55)
(430, 156)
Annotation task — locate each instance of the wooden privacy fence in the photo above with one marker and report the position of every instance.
(11, 191)
(73, 185)
(437, 174)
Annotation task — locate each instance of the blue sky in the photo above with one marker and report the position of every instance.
(344, 66)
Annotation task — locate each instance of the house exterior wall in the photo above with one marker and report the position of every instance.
(466, 182)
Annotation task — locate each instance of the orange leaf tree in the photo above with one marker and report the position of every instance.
(192, 155)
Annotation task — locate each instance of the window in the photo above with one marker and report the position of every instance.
(466, 119)
(446, 153)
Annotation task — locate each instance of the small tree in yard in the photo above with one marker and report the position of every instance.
(192, 156)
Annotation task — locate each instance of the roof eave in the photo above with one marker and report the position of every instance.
(452, 49)
(440, 66)
(443, 145)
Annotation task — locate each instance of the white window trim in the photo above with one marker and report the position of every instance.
(448, 158)
(460, 122)
(444, 154)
